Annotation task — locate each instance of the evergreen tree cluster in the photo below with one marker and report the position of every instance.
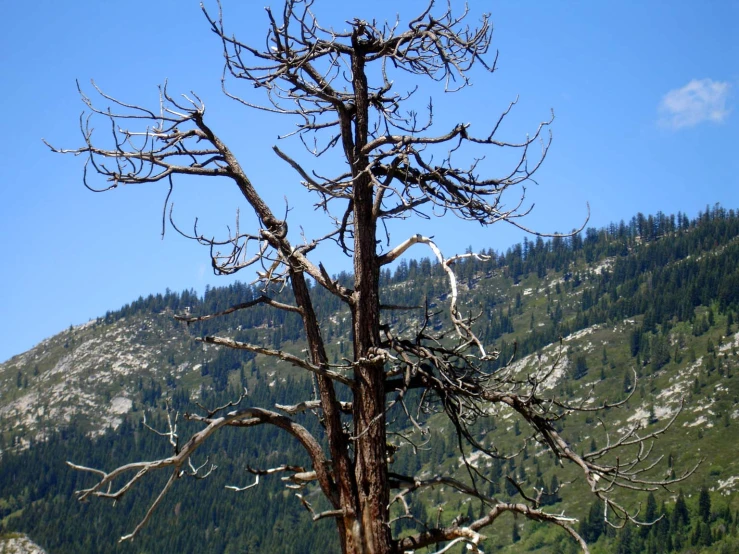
(676, 528)
(690, 263)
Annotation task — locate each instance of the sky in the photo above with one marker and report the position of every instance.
(645, 97)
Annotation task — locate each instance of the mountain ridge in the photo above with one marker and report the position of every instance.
(646, 309)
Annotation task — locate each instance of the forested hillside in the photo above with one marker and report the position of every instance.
(646, 310)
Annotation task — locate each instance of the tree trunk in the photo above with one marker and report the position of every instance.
(342, 493)
(369, 398)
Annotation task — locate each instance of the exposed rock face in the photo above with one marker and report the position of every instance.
(92, 373)
(19, 544)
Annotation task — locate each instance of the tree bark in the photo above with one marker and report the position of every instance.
(344, 495)
(369, 398)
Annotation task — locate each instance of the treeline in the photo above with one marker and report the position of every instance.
(678, 528)
(691, 262)
(197, 516)
(201, 516)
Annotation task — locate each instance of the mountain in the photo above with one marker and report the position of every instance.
(648, 308)
(15, 543)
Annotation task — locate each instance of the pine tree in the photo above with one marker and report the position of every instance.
(729, 323)
(704, 505)
(628, 384)
(680, 515)
(650, 514)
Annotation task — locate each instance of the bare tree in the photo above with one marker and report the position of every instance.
(340, 87)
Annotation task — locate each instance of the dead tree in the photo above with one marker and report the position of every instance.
(340, 89)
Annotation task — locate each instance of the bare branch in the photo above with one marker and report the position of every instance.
(282, 355)
(151, 509)
(244, 417)
(346, 407)
(259, 300)
(435, 536)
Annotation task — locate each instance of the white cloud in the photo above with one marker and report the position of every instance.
(698, 101)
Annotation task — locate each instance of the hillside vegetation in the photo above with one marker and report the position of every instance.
(648, 308)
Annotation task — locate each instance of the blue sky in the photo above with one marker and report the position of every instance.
(644, 93)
